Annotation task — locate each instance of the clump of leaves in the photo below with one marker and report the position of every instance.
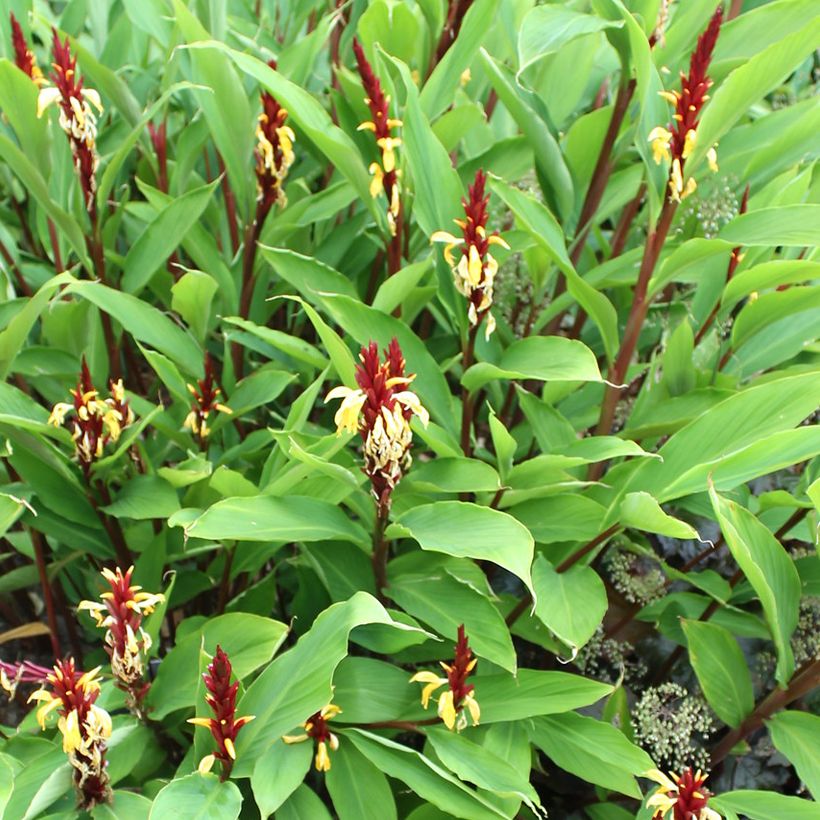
(462, 343)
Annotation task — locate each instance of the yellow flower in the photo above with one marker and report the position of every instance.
(377, 183)
(347, 416)
(316, 728)
(660, 138)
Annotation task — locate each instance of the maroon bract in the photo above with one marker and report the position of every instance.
(24, 58)
(159, 139)
(206, 401)
(316, 729)
(274, 153)
(459, 698)
(381, 410)
(385, 175)
(84, 726)
(678, 141)
(476, 267)
(225, 725)
(77, 118)
(13, 674)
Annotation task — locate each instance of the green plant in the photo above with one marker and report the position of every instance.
(574, 466)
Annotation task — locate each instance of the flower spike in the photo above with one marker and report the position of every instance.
(677, 142)
(95, 422)
(84, 726)
(385, 175)
(274, 153)
(13, 674)
(77, 117)
(205, 401)
(225, 725)
(476, 268)
(316, 728)
(459, 698)
(120, 613)
(381, 410)
(683, 795)
(24, 58)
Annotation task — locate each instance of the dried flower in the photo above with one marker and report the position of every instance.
(459, 699)
(120, 614)
(274, 153)
(13, 674)
(24, 58)
(677, 142)
(385, 175)
(316, 729)
(671, 725)
(206, 401)
(77, 118)
(85, 727)
(476, 269)
(225, 725)
(381, 414)
(683, 795)
(96, 422)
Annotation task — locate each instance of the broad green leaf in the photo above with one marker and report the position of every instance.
(265, 518)
(721, 670)
(470, 531)
(162, 236)
(452, 475)
(763, 805)
(197, 797)
(278, 773)
(143, 497)
(545, 358)
(786, 225)
(129, 806)
(640, 511)
(249, 640)
(769, 570)
(303, 804)
(424, 778)
(768, 275)
(592, 750)
(311, 277)
(368, 690)
(191, 298)
(480, 766)
(561, 518)
(571, 604)
(750, 83)
(18, 101)
(358, 788)
(797, 736)
(298, 682)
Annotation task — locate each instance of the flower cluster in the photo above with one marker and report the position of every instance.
(24, 58)
(274, 153)
(77, 117)
(206, 401)
(458, 699)
(637, 577)
(385, 175)
(225, 725)
(96, 421)
(683, 795)
(476, 268)
(671, 725)
(316, 728)
(84, 726)
(13, 674)
(677, 142)
(609, 660)
(381, 410)
(120, 613)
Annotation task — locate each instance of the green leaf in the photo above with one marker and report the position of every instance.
(144, 497)
(297, 683)
(532, 693)
(197, 797)
(129, 806)
(18, 101)
(424, 778)
(481, 767)
(162, 236)
(303, 804)
(278, 773)
(452, 475)
(191, 297)
(571, 604)
(797, 736)
(642, 512)
(265, 518)
(358, 789)
(545, 358)
(592, 750)
(721, 670)
(787, 225)
(311, 277)
(769, 570)
(762, 805)
(145, 323)
(561, 518)
(750, 83)
(250, 640)
(470, 531)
